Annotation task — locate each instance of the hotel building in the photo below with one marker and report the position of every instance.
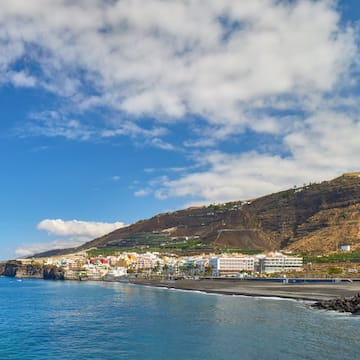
(232, 265)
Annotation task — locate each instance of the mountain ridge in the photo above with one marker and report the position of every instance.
(316, 218)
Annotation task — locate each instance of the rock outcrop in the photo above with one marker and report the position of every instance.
(351, 305)
(10, 268)
(53, 273)
(37, 271)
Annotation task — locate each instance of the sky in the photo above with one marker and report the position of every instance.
(114, 111)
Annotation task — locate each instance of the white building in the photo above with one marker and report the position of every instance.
(145, 261)
(345, 248)
(232, 265)
(117, 272)
(280, 263)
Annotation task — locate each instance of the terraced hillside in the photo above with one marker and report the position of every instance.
(316, 218)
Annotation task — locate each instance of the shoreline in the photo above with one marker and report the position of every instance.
(306, 291)
(300, 291)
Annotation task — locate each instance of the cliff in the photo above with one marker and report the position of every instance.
(35, 271)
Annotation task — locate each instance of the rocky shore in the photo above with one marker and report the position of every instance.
(35, 271)
(351, 304)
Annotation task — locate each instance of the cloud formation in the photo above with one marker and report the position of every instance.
(323, 146)
(29, 249)
(281, 69)
(215, 59)
(77, 228)
(72, 233)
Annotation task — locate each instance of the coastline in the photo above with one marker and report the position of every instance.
(308, 290)
(341, 296)
(299, 291)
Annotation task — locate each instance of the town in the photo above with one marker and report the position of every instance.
(81, 266)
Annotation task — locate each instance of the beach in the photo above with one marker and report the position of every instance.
(311, 291)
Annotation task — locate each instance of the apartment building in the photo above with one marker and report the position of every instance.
(281, 263)
(232, 265)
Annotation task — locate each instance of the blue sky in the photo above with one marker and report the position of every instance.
(114, 111)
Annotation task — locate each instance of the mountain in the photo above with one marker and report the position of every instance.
(316, 218)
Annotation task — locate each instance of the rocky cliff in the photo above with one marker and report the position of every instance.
(36, 271)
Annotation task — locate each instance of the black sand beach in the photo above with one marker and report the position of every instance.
(300, 291)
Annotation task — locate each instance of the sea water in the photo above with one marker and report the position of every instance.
(96, 320)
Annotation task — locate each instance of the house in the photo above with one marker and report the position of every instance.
(345, 248)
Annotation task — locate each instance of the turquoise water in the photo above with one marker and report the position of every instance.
(95, 320)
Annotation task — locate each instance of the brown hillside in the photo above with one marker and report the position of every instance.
(332, 228)
(315, 218)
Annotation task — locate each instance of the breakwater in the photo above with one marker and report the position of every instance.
(349, 304)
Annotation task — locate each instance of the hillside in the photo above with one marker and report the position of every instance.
(316, 218)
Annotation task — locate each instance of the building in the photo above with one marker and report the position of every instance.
(345, 248)
(232, 265)
(280, 263)
(145, 261)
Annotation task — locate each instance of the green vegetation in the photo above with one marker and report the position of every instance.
(182, 245)
(175, 246)
(334, 271)
(284, 194)
(104, 251)
(333, 258)
(224, 206)
(214, 206)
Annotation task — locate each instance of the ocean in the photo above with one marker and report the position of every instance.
(98, 320)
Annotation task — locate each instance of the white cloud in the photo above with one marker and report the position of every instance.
(36, 248)
(156, 142)
(72, 233)
(131, 129)
(55, 124)
(142, 192)
(327, 140)
(231, 177)
(77, 228)
(59, 124)
(21, 79)
(267, 67)
(167, 59)
(325, 146)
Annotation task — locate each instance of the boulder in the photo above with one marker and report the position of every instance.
(351, 304)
